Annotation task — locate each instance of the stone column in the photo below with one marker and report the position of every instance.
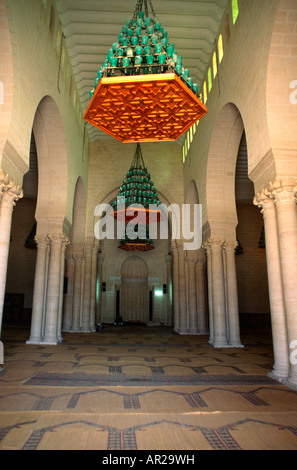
(68, 301)
(206, 245)
(276, 297)
(175, 286)
(86, 305)
(232, 295)
(284, 195)
(193, 323)
(201, 296)
(65, 242)
(39, 291)
(168, 260)
(183, 323)
(93, 288)
(218, 294)
(76, 310)
(10, 194)
(53, 290)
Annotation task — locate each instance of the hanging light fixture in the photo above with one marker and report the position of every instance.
(137, 194)
(142, 92)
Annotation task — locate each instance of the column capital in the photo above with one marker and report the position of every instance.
(230, 246)
(41, 240)
(215, 243)
(11, 193)
(191, 261)
(283, 190)
(79, 257)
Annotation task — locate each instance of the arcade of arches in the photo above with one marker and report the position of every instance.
(241, 166)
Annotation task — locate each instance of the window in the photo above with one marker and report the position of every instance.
(204, 92)
(214, 65)
(235, 10)
(220, 48)
(209, 80)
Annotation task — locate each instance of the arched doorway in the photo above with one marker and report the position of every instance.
(134, 290)
(50, 213)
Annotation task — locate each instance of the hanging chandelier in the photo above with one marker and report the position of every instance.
(142, 92)
(137, 195)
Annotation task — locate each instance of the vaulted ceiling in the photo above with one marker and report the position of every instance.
(91, 26)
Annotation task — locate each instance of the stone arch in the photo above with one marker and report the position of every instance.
(6, 84)
(281, 86)
(52, 166)
(221, 168)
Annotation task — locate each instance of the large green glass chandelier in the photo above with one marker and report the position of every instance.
(142, 91)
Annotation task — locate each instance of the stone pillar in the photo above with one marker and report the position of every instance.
(10, 194)
(53, 290)
(284, 195)
(175, 286)
(86, 304)
(100, 261)
(39, 291)
(276, 297)
(168, 260)
(193, 323)
(93, 288)
(201, 296)
(232, 295)
(218, 294)
(65, 242)
(76, 310)
(206, 245)
(183, 323)
(68, 300)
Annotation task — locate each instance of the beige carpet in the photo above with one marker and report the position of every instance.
(142, 388)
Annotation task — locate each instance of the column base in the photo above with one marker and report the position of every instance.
(239, 345)
(33, 341)
(290, 383)
(85, 330)
(183, 332)
(221, 344)
(193, 332)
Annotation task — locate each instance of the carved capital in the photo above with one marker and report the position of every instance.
(216, 243)
(58, 239)
(283, 190)
(41, 241)
(230, 246)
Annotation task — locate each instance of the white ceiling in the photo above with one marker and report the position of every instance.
(91, 26)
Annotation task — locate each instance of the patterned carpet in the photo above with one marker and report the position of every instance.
(142, 388)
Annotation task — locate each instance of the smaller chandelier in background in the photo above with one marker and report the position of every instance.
(137, 194)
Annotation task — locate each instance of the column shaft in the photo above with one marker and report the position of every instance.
(218, 295)
(39, 291)
(276, 296)
(53, 291)
(193, 323)
(232, 295)
(285, 203)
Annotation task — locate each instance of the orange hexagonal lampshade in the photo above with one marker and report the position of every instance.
(144, 108)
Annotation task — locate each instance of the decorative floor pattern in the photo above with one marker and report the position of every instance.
(137, 388)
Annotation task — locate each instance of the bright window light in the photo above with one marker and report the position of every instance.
(158, 293)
